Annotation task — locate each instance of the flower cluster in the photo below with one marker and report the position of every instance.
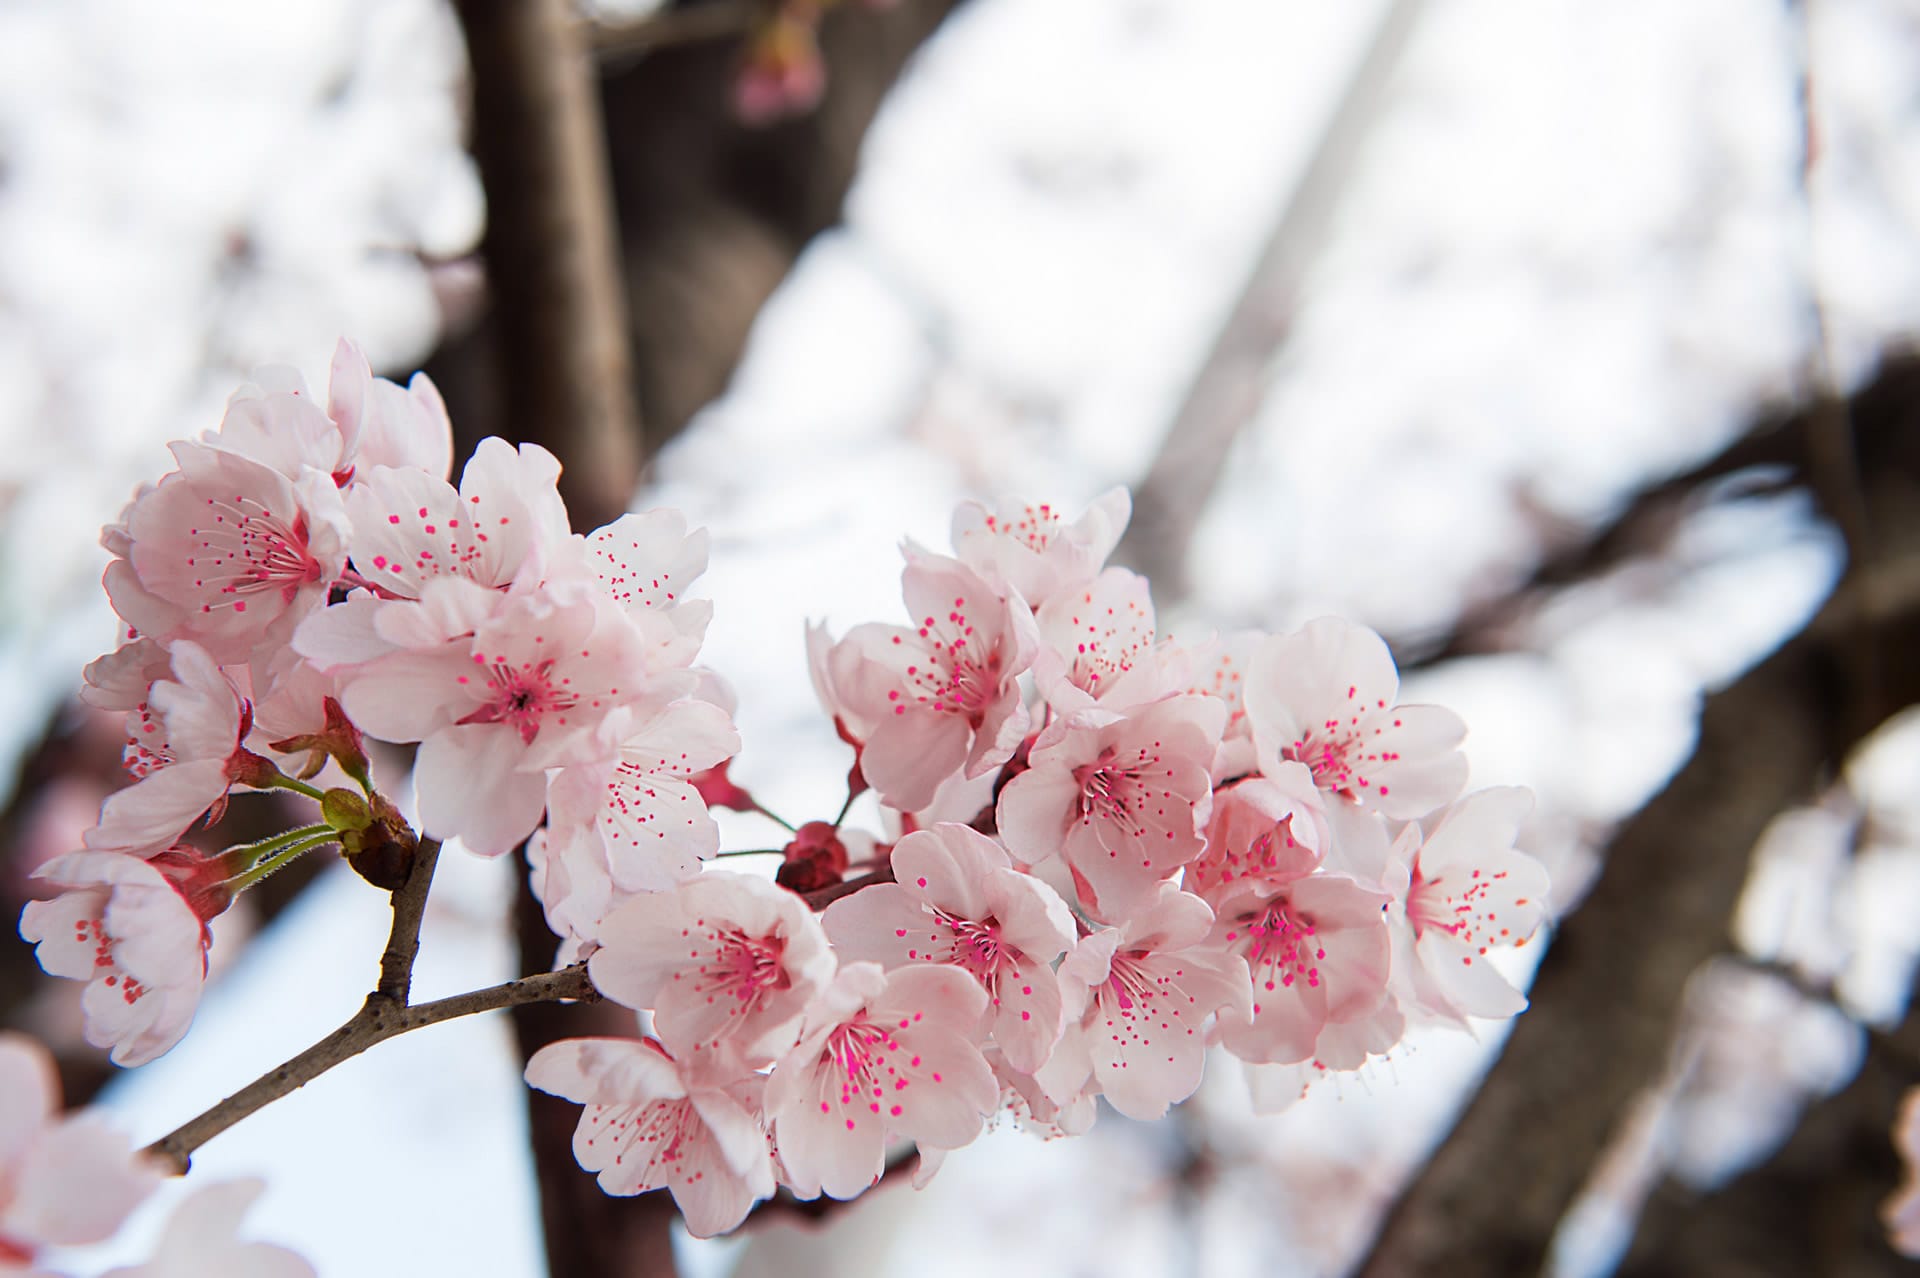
(69, 1180)
(1101, 851)
(1107, 851)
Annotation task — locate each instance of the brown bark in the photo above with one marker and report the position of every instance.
(1604, 1002)
(711, 213)
(553, 260)
(1813, 1207)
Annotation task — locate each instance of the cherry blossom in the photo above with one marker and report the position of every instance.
(652, 1122)
(645, 562)
(1466, 890)
(185, 751)
(636, 822)
(882, 1056)
(1124, 802)
(722, 959)
(1034, 549)
(410, 527)
(64, 1182)
(1097, 648)
(123, 928)
(227, 552)
(200, 1241)
(368, 422)
(1325, 696)
(1318, 953)
(1262, 828)
(944, 695)
(1219, 669)
(531, 684)
(958, 900)
(1137, 998)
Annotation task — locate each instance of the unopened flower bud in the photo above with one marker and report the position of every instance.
(345, 810)
(815, 859)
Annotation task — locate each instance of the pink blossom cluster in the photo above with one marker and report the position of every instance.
(70, 1180)
(1101, 851)
(1107, 852)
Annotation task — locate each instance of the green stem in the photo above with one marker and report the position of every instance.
(281, 859)
(255, 852)
(844, 808)
(774, 817)
(282, 781)
(752, 852)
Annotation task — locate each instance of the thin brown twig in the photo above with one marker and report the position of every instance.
(378, 1019)
(409, 910)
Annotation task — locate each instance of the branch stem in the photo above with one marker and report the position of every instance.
(379, 1018)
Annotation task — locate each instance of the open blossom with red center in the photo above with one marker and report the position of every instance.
(1318, 953)
(636, 822)
(529, 687)
(1326, 696)
(652, 1122)
(1466, 891)
(1137, 998)
(723, 960)
(943, 695)
(1097, 653)
(226, 552)
(882, 1056)
(957, 900)
(1261, 829)
(1034, 549)
(121, 926)
(64, 1182)
(184, 749)
(1124, 802)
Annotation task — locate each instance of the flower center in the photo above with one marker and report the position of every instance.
(250, 550)
(523, 697)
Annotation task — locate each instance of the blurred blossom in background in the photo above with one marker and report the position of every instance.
(1375, 305)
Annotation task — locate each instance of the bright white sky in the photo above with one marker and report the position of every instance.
(1574, 252)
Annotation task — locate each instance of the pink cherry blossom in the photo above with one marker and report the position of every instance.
(722, 959)
(958, 900)
(368, 422)
(1137, 999)
(185, 750)
(1318, 953)
(1466, 890)
(227, 552)
(635, 822)
(532, 684)
(385, 424)
(652, 1122)
(123, 928)
(1261, 829)
(64, 1182)
(1219, 669)
(944, 695)
(1034, 549)
(1124, 802)
(1097, 647)
(1326, 696)
(882, 1056)
(410, 527)
(645, 562)
(200, 1241)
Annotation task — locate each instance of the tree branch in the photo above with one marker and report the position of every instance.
(378, 1019)
(1599, 1029)
(409, 910)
